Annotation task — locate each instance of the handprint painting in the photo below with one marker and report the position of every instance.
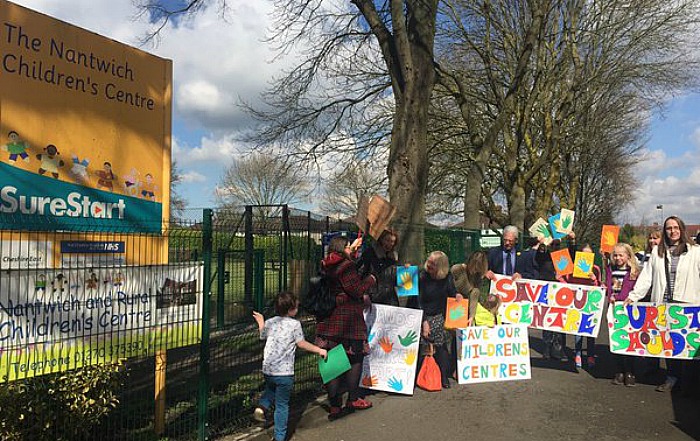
(562, 262)
(391, 364)
(555, 226)
(608, 237)
(583, 264)
(567, 221)
(407, 281)
(540, 230)
(456, 314)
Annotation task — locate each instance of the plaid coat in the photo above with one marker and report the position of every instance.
(347, 320)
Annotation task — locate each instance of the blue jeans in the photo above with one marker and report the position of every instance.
(278, 390)
(590, 345)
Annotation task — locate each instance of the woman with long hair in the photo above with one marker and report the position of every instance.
(346, 325)
(673, 275)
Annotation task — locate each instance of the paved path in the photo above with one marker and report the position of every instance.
(558, 403)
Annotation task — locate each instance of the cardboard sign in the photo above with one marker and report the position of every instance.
(377, 211)
(394, 335)
(553, 306)
(669, 330)
(583, 264)
(457, 314)
(562, 262)
(608, 237)
(501, 353)
(407, 281)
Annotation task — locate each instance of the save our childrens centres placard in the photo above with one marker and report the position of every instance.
(501, 353)
(655, 330)
(393, 337)
(554, 306)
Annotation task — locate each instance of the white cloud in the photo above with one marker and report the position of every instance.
(193, 176)
(212, 150)
(678, 195)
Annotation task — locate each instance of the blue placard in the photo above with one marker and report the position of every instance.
(91, 247)
(406, 281)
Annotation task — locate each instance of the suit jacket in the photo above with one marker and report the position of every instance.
(527, 266)
(495, 258)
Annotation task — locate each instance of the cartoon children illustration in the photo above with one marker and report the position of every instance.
(148, 188)
(79, 169)
(92, 281)
(16, 147)
(132, 182)
(50, 161)
(105, 177)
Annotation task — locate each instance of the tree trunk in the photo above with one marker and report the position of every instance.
(472, 197)
(408, 166)
(516, 205)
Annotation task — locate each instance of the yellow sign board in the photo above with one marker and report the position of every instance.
(85, 127)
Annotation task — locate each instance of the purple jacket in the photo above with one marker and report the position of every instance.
(627, 284)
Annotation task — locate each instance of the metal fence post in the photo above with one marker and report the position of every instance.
(203, 396)
(285, 247)
(259, 280)
(220, 287)
(248, 256)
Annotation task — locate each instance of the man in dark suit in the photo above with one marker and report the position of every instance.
(504, 259)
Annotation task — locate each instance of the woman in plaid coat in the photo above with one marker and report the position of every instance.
(346, 324)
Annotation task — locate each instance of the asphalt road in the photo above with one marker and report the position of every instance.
(558, 403)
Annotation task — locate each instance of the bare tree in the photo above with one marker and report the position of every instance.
(523, 75)
(316, 106)
(177, 202)
(259, 179)
(356, 178)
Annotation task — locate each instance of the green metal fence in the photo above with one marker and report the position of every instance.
(202, 366)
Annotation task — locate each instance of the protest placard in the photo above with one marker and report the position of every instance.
(540, 230)
(583, 264)
(456, 313)
(407, 281)
(393, 337)
(668, 330)
(501, 353)
(554, 306)
(563, 264)
(608, 237)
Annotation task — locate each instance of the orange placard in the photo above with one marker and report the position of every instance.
(562, 262)
(608, 237)
(457, 314)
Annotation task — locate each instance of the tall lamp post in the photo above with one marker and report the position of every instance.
(660, 208)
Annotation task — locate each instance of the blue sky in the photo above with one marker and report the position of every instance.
(216, 63)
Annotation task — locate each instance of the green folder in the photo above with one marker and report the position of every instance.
(334, 365)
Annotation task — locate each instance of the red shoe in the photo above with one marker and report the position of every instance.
(360, 404)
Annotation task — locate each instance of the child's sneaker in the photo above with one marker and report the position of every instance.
(578, 360)
(591, 361)
(260, 414)
(360, 404)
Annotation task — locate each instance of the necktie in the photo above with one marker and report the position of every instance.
(509, 264)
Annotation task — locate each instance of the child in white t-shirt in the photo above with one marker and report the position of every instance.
(283, 334)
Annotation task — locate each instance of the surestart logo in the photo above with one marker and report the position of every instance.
(74, 205)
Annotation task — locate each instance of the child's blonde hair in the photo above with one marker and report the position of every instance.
(631, 258)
